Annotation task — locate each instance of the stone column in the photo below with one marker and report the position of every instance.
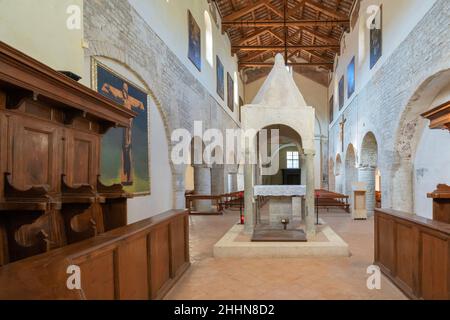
(202, 186)
(402, 188)
(310, 193)
(367, 175)
(179, 201)
(249, 211)
(217, 180)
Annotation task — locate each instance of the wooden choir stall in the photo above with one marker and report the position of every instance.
(52, 202)
(414, 252)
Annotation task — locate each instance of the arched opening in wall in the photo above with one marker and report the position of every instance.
(338, 174)
(368, 168)
(351, 173)
(331, 176)
(209, 43)
(286, 164)
(421, 157)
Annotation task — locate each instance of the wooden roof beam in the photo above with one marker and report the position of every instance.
(325, 10)
(300, 4)
(242, 12)
(249, 64)
(253, 36)
(289, 23)
(282, 47)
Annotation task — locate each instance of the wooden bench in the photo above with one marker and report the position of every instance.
(327, 199)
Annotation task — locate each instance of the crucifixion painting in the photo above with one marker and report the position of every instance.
(125, 151)
(129, 103)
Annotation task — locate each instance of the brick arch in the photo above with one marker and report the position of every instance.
(408, 134)
(109, 52)
(411, 124)
(369, 151)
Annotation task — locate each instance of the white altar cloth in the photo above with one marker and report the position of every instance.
(280, 191)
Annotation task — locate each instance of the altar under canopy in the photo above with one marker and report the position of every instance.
(280, 104)
(285, 203)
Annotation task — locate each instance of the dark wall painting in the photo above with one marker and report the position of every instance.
(124, 157)
(230, 89)
(195, 42)
(351, 78)
(220, 73)
(341, 93)
(376, 38)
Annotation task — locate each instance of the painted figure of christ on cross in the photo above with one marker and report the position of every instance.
(128, 102)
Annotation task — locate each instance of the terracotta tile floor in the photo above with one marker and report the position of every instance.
(273, 279)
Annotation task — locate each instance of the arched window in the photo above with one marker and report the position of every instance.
(209, 40)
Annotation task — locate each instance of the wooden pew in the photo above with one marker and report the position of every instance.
(139, 261)
(233, 200)
(327, 199)
(414, 253)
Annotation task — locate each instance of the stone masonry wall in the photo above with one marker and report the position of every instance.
(381, 103)
(115, 30)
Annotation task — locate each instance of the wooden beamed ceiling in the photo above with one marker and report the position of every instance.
(307, 32)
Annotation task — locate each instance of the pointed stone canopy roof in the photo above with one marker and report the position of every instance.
(279, 89)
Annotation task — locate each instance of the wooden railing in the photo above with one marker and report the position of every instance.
(414, 253)
(140, 261)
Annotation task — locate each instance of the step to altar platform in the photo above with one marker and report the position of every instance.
(236, 244)
(278, 235)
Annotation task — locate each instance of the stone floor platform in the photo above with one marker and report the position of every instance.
(237, 244)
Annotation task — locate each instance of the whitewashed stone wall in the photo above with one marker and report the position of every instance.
(115, 30)
(381, 106)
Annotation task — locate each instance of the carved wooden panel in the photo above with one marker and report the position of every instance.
(406, 254)
(97, 276)
(435, 267)
(159, 260)
(82, 158)
(386, 244)
(133, 277)
(178, 235)
(36, 153)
